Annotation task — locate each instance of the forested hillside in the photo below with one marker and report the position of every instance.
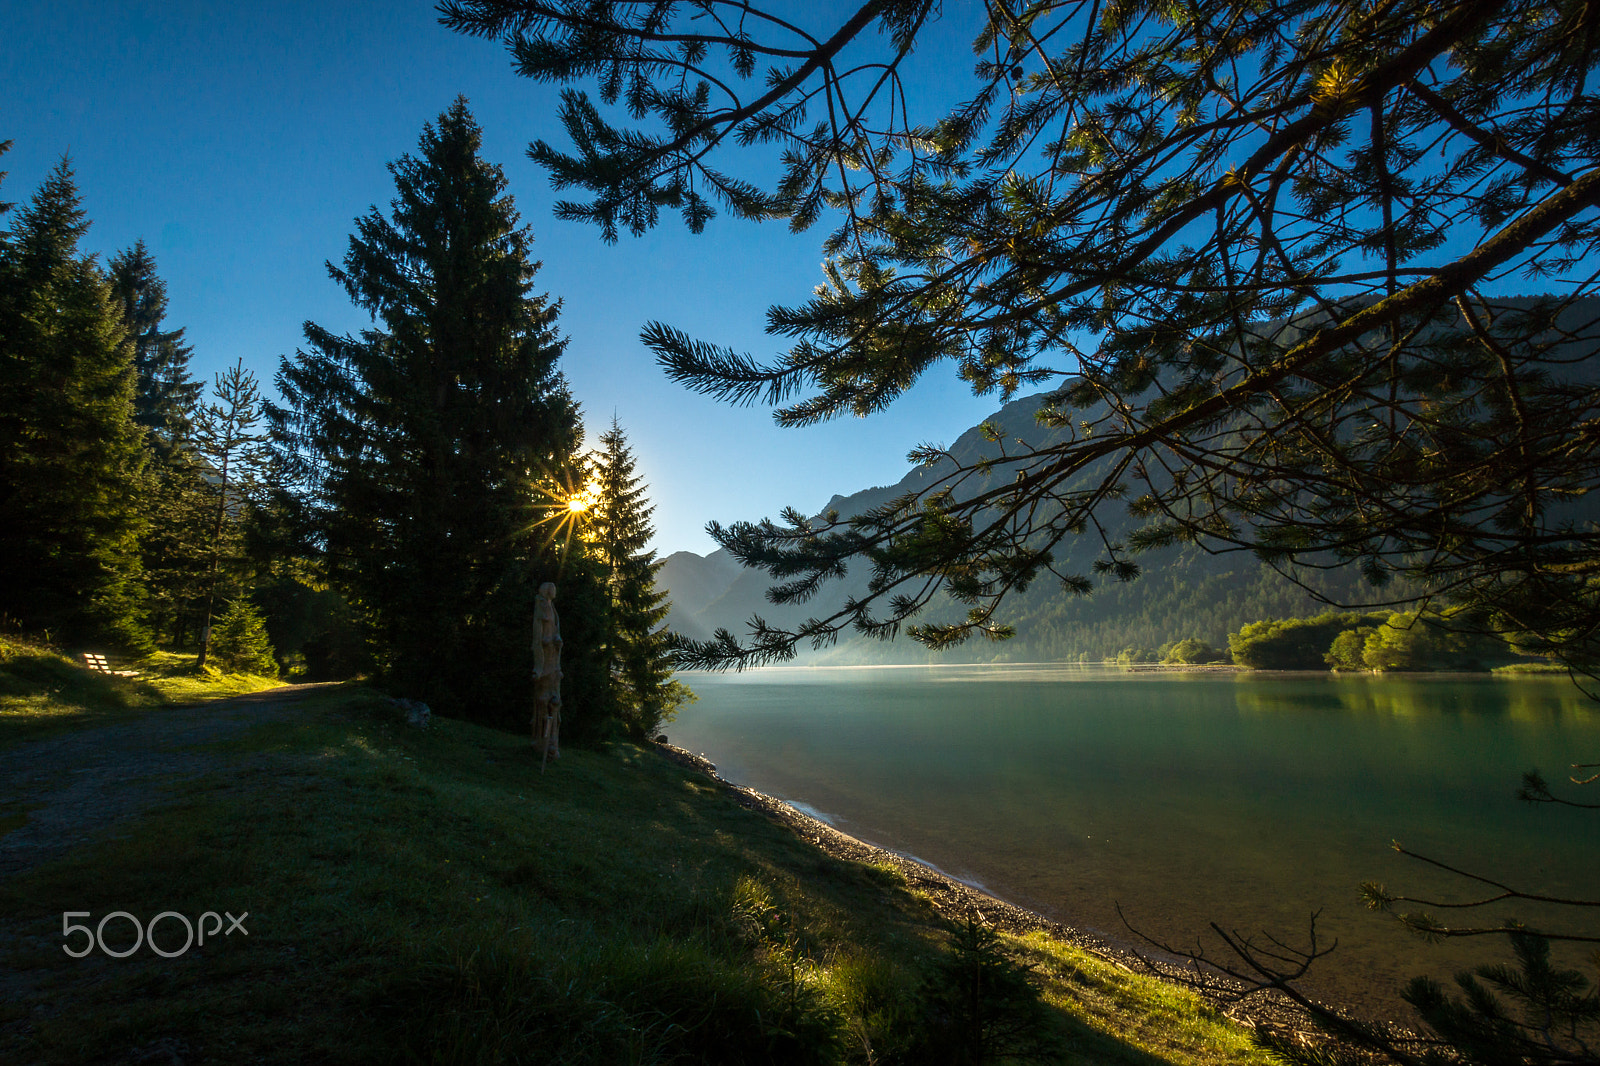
(1179, 593)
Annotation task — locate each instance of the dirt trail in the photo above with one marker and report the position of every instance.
(77, 784)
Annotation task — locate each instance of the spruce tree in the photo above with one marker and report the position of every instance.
(415, 447)
(619, 530)
(176, 547)
(235, 457)
(165, 397)
(71, 458)
(241, 644)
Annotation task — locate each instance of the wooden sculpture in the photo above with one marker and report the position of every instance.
(546, 675)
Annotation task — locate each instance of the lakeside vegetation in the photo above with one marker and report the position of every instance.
(430, 896)
(1351, 641)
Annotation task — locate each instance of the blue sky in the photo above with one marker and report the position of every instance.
(240, 141)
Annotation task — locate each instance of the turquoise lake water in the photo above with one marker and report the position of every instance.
(1246, 800)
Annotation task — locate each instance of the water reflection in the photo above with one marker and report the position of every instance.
(1188, 798)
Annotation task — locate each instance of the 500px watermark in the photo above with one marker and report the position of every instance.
(143, 934)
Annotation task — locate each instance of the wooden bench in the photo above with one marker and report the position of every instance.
(100, 665)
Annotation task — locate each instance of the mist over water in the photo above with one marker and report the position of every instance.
(1251, 801)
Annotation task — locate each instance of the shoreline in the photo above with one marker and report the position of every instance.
(1544, 670)
(1266, 1010)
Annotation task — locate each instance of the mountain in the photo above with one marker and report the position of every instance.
(693, 582)
(1182, 593)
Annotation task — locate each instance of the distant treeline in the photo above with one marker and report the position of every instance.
(1345, 640)
(1188, 596)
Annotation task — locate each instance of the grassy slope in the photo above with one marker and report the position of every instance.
(429, 896)
(42, 692)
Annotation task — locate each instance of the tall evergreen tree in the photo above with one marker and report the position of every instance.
(176, 546)
(619, 530)
(165, 396)
(71, 458)
(235, 456)
(417, 444)
(174, 549)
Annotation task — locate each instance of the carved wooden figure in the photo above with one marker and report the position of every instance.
(546, 674)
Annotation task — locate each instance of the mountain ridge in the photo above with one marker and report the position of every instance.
(1183, 592)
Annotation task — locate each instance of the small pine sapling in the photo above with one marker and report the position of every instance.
(239, 642)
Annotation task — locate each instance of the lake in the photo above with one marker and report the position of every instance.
(1248, 800)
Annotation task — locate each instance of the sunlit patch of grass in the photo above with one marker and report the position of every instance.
(176, 676)
(44, 692)
(168, 663)
(432, 896)
(211, 686)
(1118, 1010)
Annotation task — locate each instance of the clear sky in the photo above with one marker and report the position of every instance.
(241, 140)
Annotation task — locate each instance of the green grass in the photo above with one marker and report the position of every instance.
(432, 897)
(43, 691)
(173, 674)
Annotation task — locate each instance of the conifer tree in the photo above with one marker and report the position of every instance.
(1262, 257)
(241, 645)
(166, 396)
(235, 456)
(176, 546)
(71, 458)
(415, 446)
(619, 532)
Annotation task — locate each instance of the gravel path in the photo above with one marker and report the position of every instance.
(77, 784)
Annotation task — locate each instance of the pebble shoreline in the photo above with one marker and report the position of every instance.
(1269, 1012)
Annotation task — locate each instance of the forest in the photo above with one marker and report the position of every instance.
(391, 515)
(1307, 284)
